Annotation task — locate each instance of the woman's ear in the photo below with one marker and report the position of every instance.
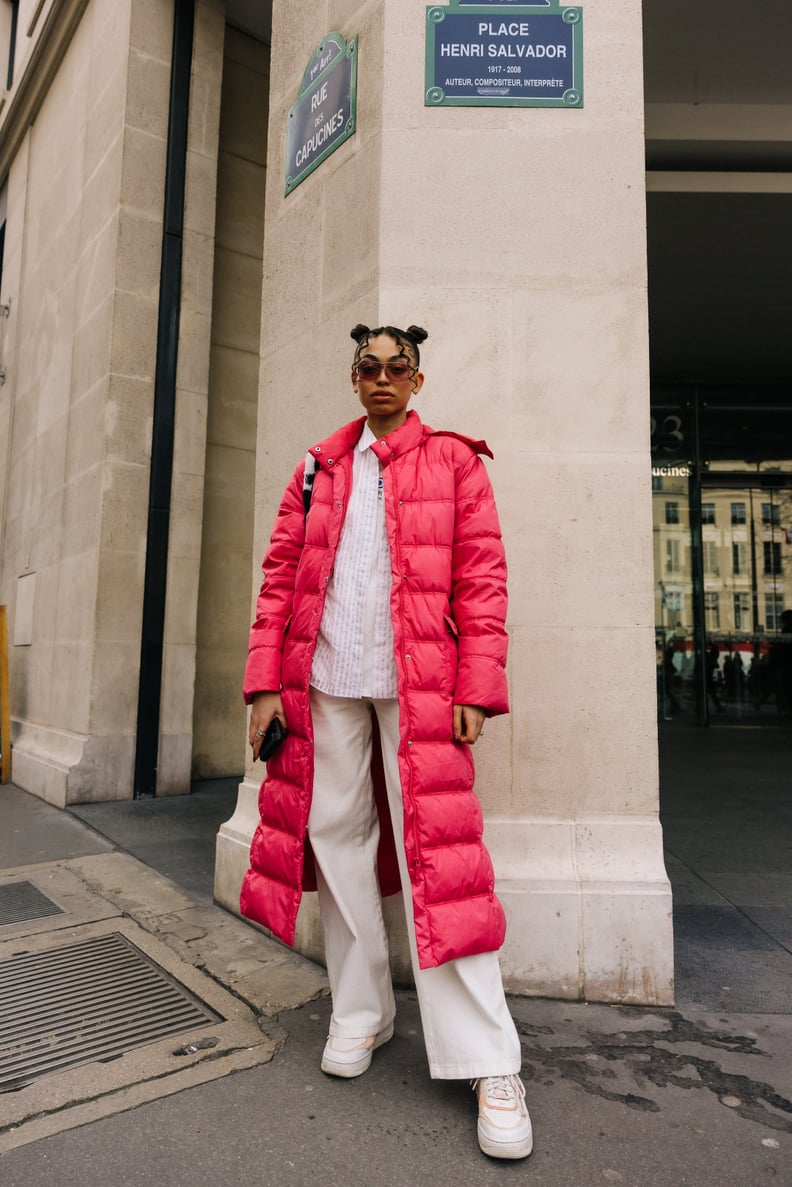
(418, 381)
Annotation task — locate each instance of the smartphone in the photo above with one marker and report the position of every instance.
(272, 739)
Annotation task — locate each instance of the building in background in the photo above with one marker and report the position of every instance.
(176, 336)
(724, 577)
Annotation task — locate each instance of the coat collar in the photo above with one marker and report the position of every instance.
(408, 436)
(327, 452)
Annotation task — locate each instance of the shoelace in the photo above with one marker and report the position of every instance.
(501, 1088)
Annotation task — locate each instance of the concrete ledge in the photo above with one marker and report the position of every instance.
(65, 1099)
(243, 976)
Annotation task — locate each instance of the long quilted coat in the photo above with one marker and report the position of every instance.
(448, 603)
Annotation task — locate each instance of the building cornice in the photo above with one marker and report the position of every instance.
(21, 106)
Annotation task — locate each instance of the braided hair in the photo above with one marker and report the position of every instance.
(407, 340)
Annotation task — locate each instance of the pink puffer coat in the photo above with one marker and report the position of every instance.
(448, 603)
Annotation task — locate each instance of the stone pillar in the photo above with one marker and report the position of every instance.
(83, 251)
(224, 597)
(85, 217)
(516, 236)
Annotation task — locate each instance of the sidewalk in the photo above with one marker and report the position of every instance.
(699, 1095)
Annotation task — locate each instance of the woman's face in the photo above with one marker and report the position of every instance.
(385, 397)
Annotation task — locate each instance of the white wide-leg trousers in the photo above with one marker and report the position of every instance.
(467, 1028)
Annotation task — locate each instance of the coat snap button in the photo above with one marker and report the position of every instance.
(409, 743)
(329, 461)
(408, 657)
(340, 504)
(317, 449)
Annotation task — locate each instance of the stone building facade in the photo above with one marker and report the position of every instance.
(177, 334)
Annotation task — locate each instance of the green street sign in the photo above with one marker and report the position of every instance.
(481, 54)
(325, 113)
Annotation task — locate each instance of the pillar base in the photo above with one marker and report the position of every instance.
(593, 921)
(66, 768)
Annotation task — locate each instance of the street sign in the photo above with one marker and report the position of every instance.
(481, 54)
(324, 115)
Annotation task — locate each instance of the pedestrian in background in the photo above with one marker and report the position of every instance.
(380, 645)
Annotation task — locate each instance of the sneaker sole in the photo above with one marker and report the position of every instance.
(502, 1148)
(505, 1151)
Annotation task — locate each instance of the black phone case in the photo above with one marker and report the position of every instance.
(272, 739)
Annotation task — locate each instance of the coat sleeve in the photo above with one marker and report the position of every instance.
(274, 605)
(478, 593)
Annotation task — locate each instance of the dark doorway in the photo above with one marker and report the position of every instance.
(719, 213)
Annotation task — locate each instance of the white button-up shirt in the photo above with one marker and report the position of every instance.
(354, 654)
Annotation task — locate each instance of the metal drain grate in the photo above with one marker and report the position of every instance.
(86, 1003)
(20, 902)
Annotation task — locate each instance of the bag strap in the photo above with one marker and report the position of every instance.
(308, 481)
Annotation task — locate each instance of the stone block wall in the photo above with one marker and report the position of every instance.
(82, 267)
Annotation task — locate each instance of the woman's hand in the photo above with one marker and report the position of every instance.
(468, 723)
(264, 706)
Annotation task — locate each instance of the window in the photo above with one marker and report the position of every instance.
(707, 512)
(711, 558)
(742, 612)
(772, 559)
(673, 600)
(657, 482)
(712, 611)
(672, 512)
(774, 608)
(673, 555)
(738, 512)
(739, 559)
(771, 514)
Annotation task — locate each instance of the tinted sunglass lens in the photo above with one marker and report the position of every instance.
(398, 370)
(368, 370)
(395, 371)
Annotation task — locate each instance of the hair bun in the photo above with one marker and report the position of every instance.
(417, 333)
(359, 332)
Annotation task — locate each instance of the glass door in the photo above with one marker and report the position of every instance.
(747, 587)
(722, 518)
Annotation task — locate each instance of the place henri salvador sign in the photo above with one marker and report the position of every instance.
(324, 115)
(492, 53)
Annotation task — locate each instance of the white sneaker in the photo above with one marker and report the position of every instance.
(352, 1057)
(504, 1127)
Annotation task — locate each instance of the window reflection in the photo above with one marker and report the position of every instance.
(739, 575)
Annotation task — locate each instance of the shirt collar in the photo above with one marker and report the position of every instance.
(367, 438)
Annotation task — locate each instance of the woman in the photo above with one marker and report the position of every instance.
(379, 643)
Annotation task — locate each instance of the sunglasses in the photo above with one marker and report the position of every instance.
(396, 371)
